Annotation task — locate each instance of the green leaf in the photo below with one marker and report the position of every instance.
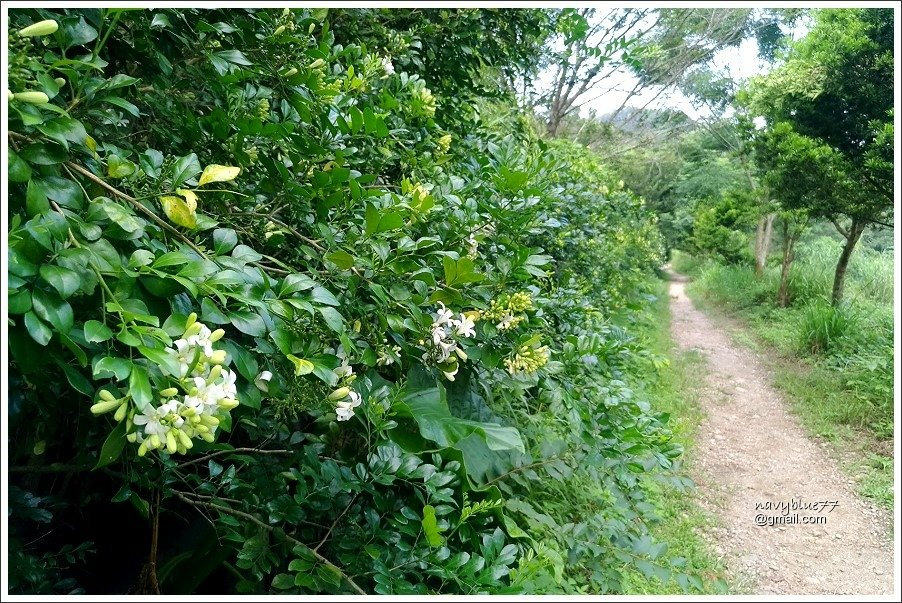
(111, 367)
(332, 318)
(117, 167)
(324, 296)
(64, 130)
(44, 153)
(244, 361)
(224, 240)
(17, 169)
(97, 332)
(51, 308)
(64, 280)
(341, 258)
(139, 387)
(18, 302)
(294, 283)
(430, 527)
(36, 201)
(248, 322)
(120, 102)
(167, 363)
(218, 173)
(113, 446)
(178, 211)
(184, 169)
(428, 407)
(39, 331)
(64, 191)
(372, 219)
(282, 582)
(236, 57)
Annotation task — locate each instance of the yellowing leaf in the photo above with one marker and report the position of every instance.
(218, 173)
(190, 198)
(178, 211)
(301, 366)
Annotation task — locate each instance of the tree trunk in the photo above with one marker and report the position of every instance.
(789, 241)
(762, 242)
(852, 236)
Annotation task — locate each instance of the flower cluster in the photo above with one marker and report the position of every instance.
(205, 391)
(508, 311)
(443, 143)
(527, 359)
(388, 354)
(387, 67)
(422, 102)
(442, 348)
(346, 399)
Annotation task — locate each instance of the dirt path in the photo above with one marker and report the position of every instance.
(750, 452)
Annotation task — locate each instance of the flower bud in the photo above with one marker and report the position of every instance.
(171, 444)
(169, 392)
(228, 403)
(142, 449)
(120, 412)
(192, 318)
(215, 372)
(184, 440)
(41, 28)
(181, 448)
(208, 437)
(193, 329)
(286, 11)
(132, 437)
(154, 442)
(9, 95)
(279, 30)
(104, 407)
(209, 420)
(217, 335)
(290, 72)
(218, 357)
(106, 396)
(60, 81)
(201, 428)
(340, 393)
(461, 354)
(317, 64)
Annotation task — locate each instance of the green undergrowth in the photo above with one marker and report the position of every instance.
(835, 364)
(682, 522)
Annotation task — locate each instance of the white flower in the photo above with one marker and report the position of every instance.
(443, 316)
(506, 322)
(262, 381)
(152, 420)
(387, 66)
(345, 409)
(202, 340)
(229, 389)
(465, 326)
(343, 371)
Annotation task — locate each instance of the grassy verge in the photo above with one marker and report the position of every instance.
(682, 522)
(836, 403)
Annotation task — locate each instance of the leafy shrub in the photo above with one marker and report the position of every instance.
(308, 336)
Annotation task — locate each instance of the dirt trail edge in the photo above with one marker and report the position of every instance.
(754, 464)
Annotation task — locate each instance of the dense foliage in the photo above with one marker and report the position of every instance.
(280, 322)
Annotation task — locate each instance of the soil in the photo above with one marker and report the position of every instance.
(755, 464)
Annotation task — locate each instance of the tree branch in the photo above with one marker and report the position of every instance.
(256, 521)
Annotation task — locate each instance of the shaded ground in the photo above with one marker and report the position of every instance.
(755, 464)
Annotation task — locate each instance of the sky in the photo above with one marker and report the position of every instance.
(741, 62)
